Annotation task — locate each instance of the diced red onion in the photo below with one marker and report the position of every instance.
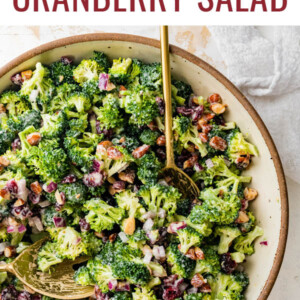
(161, 213)
(198, 167)
(173, 227)
(159, 252)
(152, 235)
(148, 225)
(59, 222)
(38, 224)
(123, 237)
(147, 258)
(104, 83)
(264, 243)
(11, 229)
(21, 228)
(22, 190)
(209, 163)
(12, 186)
(69, 179)
(51, 187)
(45, 203)
(123, 286)
(34, 198)
(112, 284)
(183, 286)
(149, 215)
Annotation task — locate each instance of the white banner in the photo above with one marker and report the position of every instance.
(149, 12)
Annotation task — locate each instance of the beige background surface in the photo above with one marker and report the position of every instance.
(197, 40)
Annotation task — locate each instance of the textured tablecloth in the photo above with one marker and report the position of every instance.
(275, 83)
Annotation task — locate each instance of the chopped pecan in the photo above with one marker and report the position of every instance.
(218, 143)
(36, 187)
(127, 176)
(242, 218)
(199, 253)
(243, 161)
(250, 194)
(34, 138)
(203, 137)
(4, 162)
(140, 151)
(161, 141)
(129, 225)
(2, 108)
(214, 98)
(217, 108)
(197, 280)
(114, 153)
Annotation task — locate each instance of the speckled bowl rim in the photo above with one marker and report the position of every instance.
(229, 85)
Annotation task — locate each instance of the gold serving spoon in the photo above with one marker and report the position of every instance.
(180, 179)
(59, 284)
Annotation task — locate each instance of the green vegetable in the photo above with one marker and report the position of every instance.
(227, 235)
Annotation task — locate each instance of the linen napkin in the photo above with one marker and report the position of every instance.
(266, 68)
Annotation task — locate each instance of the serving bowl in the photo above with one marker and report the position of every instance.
(271, 207)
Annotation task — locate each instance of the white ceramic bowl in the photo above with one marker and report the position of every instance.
(271, 207)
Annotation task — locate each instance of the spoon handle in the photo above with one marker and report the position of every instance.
(166, 75)
(7, 268)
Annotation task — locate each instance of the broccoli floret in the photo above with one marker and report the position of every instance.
(80, 101)
(14, 103)
(215, 209)
(183, 207)
(210, 264)
(103, 60)
(76, 193)
(205, 228)
(87, 70)
(138, 239)
(122, 296)
(53, 125)
(81, 151)
(188, 133)
(149, 137)
(151, 76)
(184, 90)
(3, 233)
(237, 145)
(61, 73)
(114, 165)
(181, 264)
(60, 100)
(109, 115)
(228, 286)
(228, 181)
(238, 257)
(27, 119)
(120, 70)
(6, 138)
(50, 213)
(82, 276)
(100, 273)
(48, 257)
(148, 168)
(142, 293)
(177, 100)
(129, 201)
(39, 88)
(102, 216)
(135, 273)
(70, 243)
(49, 162)
(227, 235)
(141, 105)
(160, 196)
(77, 126)
(130, 142)
(188, 237)
(245, 243)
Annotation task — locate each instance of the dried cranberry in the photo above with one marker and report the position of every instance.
(93, 179)
(186, 112)
(22, 212)
(84, 225)
(69, 179)
(9, 293)
(228, 265)
(24, 296)
(245, 204)
(66, 60)
(12, 186)
(51, 187)
(34, 198)
(16, 144)
(17, 79)
(197, 113)
(171, 293)
(99, 295)
(169, 281)
(97, 165)
(161, 105)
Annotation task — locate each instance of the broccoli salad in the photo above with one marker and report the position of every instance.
(81, 148)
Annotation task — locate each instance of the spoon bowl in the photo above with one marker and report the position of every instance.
(58, 284)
